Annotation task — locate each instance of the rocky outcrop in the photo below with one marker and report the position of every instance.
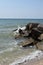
(30, 26)
(34, 34)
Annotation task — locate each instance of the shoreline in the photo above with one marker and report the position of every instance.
(33, 62)
(32, 58)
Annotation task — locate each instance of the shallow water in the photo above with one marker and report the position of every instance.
(9, 50)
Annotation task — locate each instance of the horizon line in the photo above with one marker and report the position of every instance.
(21, 18)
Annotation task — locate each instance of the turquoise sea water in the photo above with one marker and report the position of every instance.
(9, 51)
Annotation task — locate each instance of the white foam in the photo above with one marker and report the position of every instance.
(17, 31)
(23, 28)
(33, 55)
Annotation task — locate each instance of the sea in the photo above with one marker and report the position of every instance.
(10, 51)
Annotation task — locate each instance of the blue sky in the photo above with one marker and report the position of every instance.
(21, 8)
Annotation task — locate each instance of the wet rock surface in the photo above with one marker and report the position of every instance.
(34, 34)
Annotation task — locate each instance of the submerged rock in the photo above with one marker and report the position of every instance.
(26, 43)
(40, 45)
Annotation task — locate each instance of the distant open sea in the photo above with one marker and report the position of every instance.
(9, 50)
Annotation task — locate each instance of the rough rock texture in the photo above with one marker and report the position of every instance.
(34, 33)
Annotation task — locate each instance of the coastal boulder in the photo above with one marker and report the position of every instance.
(33, 32)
